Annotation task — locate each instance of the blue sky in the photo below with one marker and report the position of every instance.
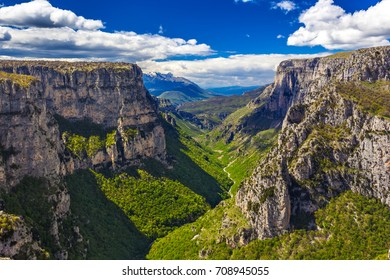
(212, 42)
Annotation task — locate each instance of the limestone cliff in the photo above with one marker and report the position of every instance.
(334, 137)
(41, 102)
(110, 95)
(29, 136)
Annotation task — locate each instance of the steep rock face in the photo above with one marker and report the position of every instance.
(29, 136)
(17, 240)
(41, 100)
(295, 78)
(30, 145)
(330, 140)
(100, 92)
(110, 95)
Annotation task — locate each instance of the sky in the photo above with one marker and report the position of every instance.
(214, 43)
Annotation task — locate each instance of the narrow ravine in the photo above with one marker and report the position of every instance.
(230, 177)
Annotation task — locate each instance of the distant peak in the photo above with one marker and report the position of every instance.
(167, 77)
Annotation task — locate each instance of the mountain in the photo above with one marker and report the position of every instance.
(66, 96)
(57, 118)
(212, 111)
(336, 111)
(322, 190)
(88, 168)
(178, 90)
(92, 168)
(232, 90)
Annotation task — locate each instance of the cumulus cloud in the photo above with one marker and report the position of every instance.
(286, 6)
(59, 34)
(40, 13)
(330, 26)
(245, 70)
(280, 36)
(51, 32)
(66, 42)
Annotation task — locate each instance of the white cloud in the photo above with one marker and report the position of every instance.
(245, 70)
(280, 36)
(286, 6)
(330, 26)
(40, 13)
(126, 46)
(52, 32)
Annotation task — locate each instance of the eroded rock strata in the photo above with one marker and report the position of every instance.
(40, 101)
(333, 139)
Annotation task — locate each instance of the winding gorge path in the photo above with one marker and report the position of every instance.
(230, 177)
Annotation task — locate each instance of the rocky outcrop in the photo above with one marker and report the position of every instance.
(109, 95)
(16, 239)
(29, 135)
(40, 101)
(30, 145)
(330, 141)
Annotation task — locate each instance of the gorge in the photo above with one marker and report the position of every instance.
(76, 137)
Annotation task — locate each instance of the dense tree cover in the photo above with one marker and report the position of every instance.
(203, 158)
(81, 146)
(351, 226)
(155, 205)
(107, 231)
(149, 206)
(241, 156)
(204, 239)
(31, 199)
(192, 165)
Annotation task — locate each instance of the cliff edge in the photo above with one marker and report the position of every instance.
(58, 117)
(334, 137)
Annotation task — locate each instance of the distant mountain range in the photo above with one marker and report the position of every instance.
(233, 90)
(214, 110)
(178, 90)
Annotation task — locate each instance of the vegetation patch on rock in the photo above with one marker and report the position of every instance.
(22, 80)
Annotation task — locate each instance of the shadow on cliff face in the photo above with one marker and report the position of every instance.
(85, 127)
(110, 234)
(185, 170)
(106, 233)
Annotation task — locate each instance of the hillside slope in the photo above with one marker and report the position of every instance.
(88, 168)
(322, 191)
(333, 139)
(212, 111)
